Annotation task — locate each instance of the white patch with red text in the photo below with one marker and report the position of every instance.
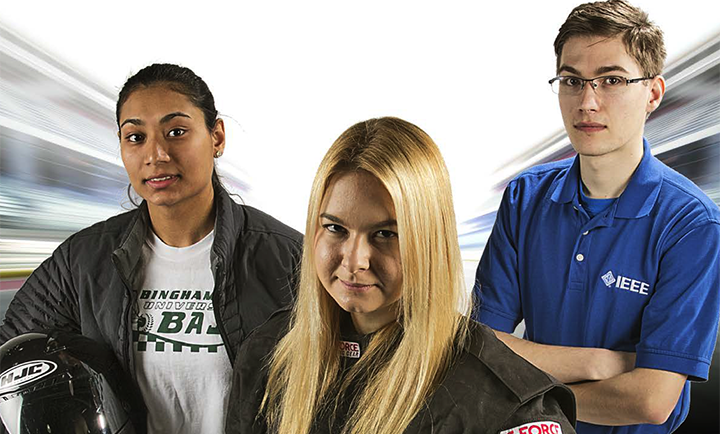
(350, 350)
(535, 428)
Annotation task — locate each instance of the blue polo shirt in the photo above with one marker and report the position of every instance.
(643, 275)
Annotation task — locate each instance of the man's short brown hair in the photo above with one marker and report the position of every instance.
(642, 38)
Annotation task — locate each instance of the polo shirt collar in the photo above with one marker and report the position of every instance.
(639, 196)
(566, 187)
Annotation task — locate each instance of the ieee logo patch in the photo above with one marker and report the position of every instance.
(626, 283)
(608, 279)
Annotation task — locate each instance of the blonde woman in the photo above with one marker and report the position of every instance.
(376, 342)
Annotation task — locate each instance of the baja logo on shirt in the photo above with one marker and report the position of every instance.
(351, 350)
(175, 320)
(625, 283)
(535, 428)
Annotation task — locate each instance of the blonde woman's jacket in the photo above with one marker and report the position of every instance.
(488, 389)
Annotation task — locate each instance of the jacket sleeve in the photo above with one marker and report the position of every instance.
(47, 300)
(552, 412)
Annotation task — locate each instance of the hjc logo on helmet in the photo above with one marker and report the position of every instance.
(25, 373)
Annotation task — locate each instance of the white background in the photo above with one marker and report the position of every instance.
(291, 76)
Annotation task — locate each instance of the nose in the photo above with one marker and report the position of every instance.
(157, 151)
(589, 97)
(356, 254)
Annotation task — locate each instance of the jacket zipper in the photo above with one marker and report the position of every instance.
(129, 362)
(219, 284)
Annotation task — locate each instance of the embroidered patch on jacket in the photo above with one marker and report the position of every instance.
(545, 427)
(350, 350)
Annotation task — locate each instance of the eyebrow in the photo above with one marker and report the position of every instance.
(600, 71)
(384, 223)
(131, 121)
(167, 117)
(331, 217)
(610, 68)
(164, 119)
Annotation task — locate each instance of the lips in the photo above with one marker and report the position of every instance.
(161, 181)
(358, 287)
(590, 127)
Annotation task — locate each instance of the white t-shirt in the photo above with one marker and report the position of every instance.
(182, 365)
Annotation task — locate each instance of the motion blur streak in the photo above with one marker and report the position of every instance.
(60, 164)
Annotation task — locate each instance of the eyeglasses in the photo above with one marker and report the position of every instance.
(608, 85)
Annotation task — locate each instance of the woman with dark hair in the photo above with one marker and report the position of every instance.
(174, 286)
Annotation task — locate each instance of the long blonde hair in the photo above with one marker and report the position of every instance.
(407, 359)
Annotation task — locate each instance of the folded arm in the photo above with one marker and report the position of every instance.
(613, 391)
(639, 396)
(571, 364)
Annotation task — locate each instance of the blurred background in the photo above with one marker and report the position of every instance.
(289, 77)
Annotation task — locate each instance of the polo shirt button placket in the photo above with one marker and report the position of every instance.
(580, 257)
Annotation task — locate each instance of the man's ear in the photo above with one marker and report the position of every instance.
(657, 90)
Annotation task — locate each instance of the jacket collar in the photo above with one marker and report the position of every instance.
(352, 343)
(229, 223)
(639, 196)
(127, 255)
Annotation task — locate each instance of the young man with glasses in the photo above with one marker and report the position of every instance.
(611, 258)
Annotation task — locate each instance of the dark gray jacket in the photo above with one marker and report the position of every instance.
(89, 283)
(488, 389)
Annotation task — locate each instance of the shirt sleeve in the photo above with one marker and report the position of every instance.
(541, 415)
(680, 323)
(496, 293)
